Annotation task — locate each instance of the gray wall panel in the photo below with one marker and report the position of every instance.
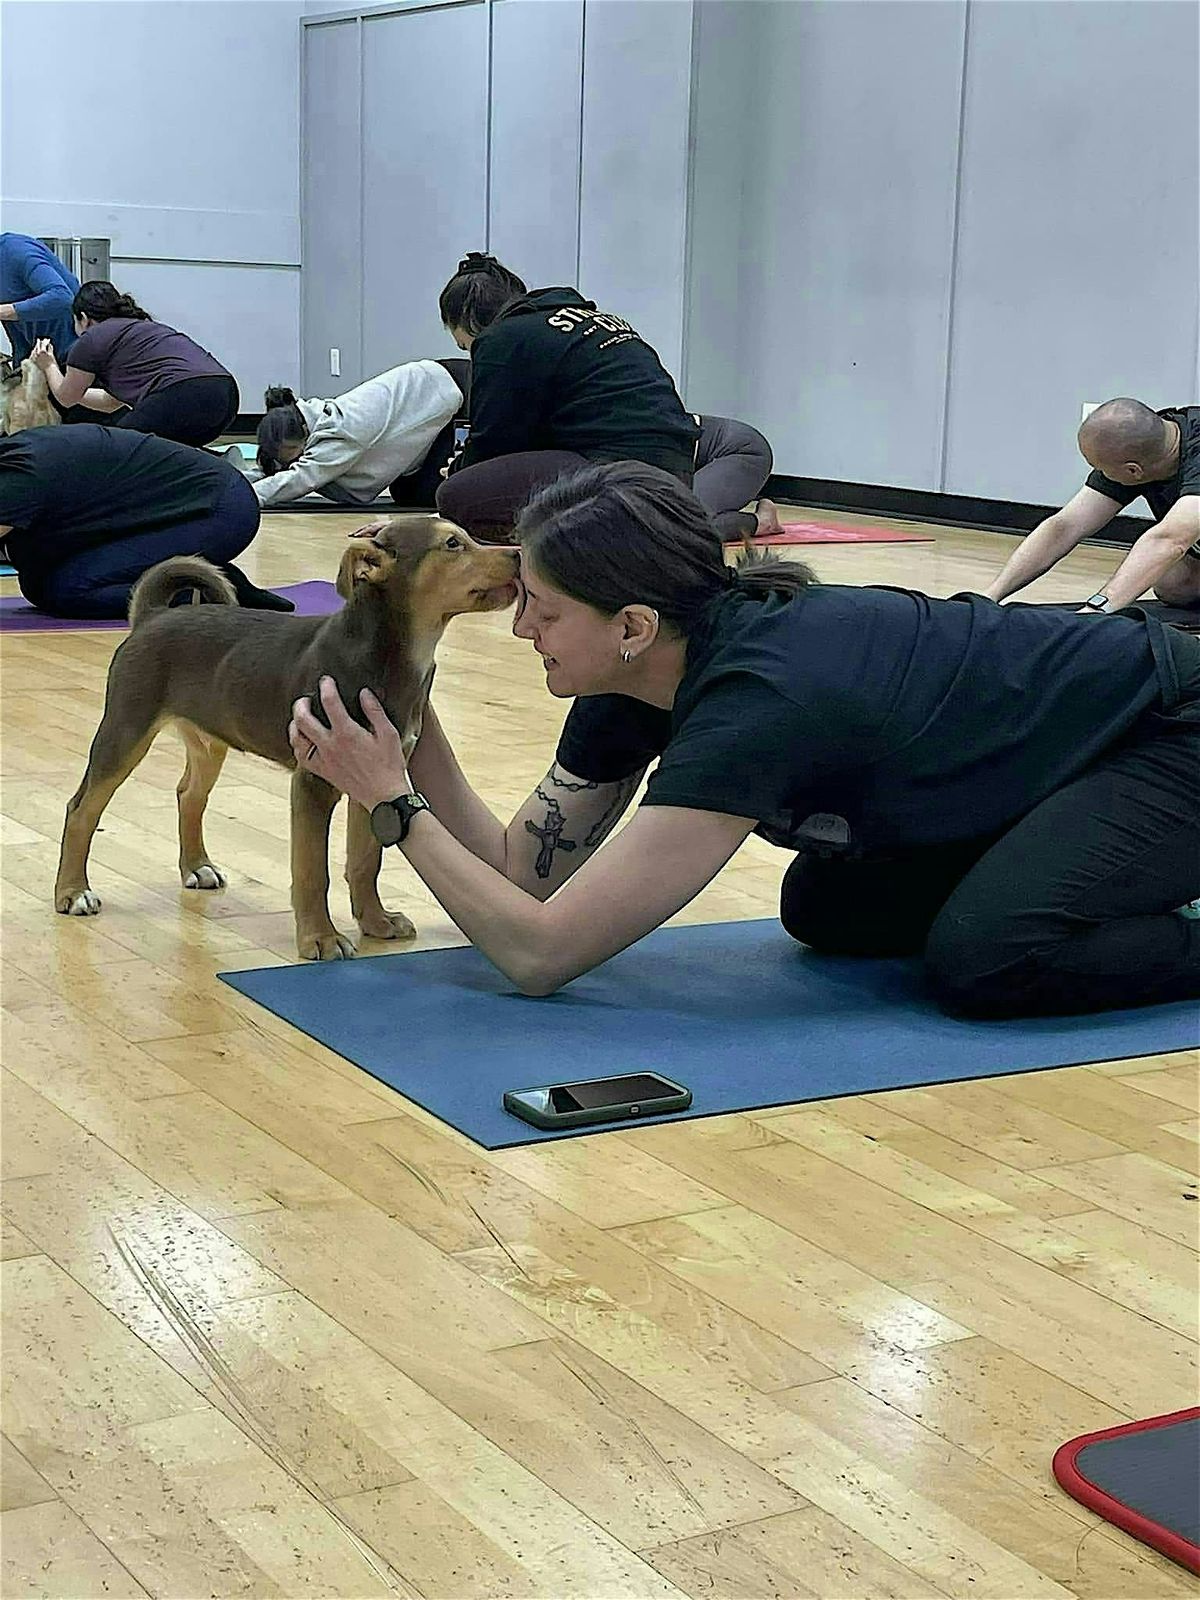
(424, 172)
(331, 223)
(848, 233)
(537, 67)
(634, 179)
(727, 57)
(1077, 266)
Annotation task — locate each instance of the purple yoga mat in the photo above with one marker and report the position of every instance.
(314, 599)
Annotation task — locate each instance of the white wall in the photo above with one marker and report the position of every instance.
(186, 156)
(960, 220)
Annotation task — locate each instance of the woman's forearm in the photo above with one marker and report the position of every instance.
(101, 400)
(508, 925)
(434, 770)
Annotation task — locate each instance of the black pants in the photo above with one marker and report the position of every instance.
(1072, 910)
(192, 411)
(96, 582)
(417, 490)
(733, 463)
(486, 499)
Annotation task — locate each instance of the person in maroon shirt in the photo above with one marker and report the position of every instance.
(122, 357)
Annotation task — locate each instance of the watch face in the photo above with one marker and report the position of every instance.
(387, 823)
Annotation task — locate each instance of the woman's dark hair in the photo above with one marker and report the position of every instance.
(282, 424)
(101, 300)
(629, 534)
(477, 293)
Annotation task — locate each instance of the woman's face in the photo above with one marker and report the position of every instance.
(462, 339)
(580, 647)
(289, 452)
(81, 324)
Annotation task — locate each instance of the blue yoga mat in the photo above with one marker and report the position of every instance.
(735, 1010)
(6, 571)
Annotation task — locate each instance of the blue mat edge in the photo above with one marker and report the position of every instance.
(525, 1134)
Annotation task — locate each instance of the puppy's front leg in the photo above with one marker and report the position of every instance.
(363, 855)
(313, 801)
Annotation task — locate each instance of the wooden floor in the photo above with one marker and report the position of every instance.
(270, 1330)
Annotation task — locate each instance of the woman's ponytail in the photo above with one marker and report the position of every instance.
(477, 293)
(99, 300)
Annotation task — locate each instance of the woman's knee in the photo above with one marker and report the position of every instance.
(972, 970)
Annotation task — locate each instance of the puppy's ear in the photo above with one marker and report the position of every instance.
(363, 562)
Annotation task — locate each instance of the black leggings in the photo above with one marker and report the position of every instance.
(1072, 910)
(96, 582)
(485, 499)
(733, 463)
(418, 489)
(192, 411)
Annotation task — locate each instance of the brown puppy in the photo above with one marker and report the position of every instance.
(227, 679)
(24, 397)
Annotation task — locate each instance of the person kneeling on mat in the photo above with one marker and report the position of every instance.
(122, 357)
(1134, 451)
(1010, 791)
(733, 463)
(394, 432)
(555, 383)
(85, 510)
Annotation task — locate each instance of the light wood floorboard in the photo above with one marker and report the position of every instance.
(271, 1330)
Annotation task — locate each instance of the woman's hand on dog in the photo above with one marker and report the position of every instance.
(369, 530)
(42, 355)
(368, 765)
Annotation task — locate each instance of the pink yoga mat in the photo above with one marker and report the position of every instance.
(838, 533)
(314, 599)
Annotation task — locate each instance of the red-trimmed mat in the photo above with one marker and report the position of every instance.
(1143, 1477)
(839, 533)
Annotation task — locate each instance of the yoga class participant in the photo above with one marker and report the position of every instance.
(393, 432)
(85, 510)
(122, 357)
(1133, 451)
(1010, 793)
(555, 384)
(36, 292)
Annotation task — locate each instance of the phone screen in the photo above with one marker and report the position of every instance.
(564, 1097)
(461, 430)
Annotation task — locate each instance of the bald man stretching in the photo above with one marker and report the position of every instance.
(1135, 451)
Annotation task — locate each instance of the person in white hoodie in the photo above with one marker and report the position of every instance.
(394, 432)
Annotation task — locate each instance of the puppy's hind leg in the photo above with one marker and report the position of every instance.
(205, 758)
(119, 745)
(363, 856)
(313, 801)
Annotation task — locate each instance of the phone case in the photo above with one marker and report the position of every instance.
(593, 1114)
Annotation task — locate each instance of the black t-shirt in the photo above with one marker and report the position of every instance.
(1161, 496)
(553, 373)
(65, 489)
(919, 721)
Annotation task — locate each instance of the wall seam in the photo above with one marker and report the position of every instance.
(952, 284)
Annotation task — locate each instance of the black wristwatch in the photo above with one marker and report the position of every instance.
(1099, 602)
(391, 819)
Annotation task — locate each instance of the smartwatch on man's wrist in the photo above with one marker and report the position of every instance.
(391, 819)
(1098, 602)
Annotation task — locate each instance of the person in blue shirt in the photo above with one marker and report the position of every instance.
(36, 292)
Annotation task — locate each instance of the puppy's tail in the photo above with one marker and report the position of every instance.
(155, 590)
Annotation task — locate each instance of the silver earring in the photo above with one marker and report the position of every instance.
(626, 657)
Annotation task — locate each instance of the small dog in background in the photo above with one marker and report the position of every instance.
(24, 397)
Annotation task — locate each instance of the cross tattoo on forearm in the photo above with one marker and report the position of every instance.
(550, 834)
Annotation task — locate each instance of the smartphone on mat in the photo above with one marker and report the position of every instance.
(574, 1105)
(461, 433)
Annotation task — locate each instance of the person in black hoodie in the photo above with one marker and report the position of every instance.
(555, 385)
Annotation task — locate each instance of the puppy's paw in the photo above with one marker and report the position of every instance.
(325, 947)
(77, 903)
(205, 876)
(386, 925)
